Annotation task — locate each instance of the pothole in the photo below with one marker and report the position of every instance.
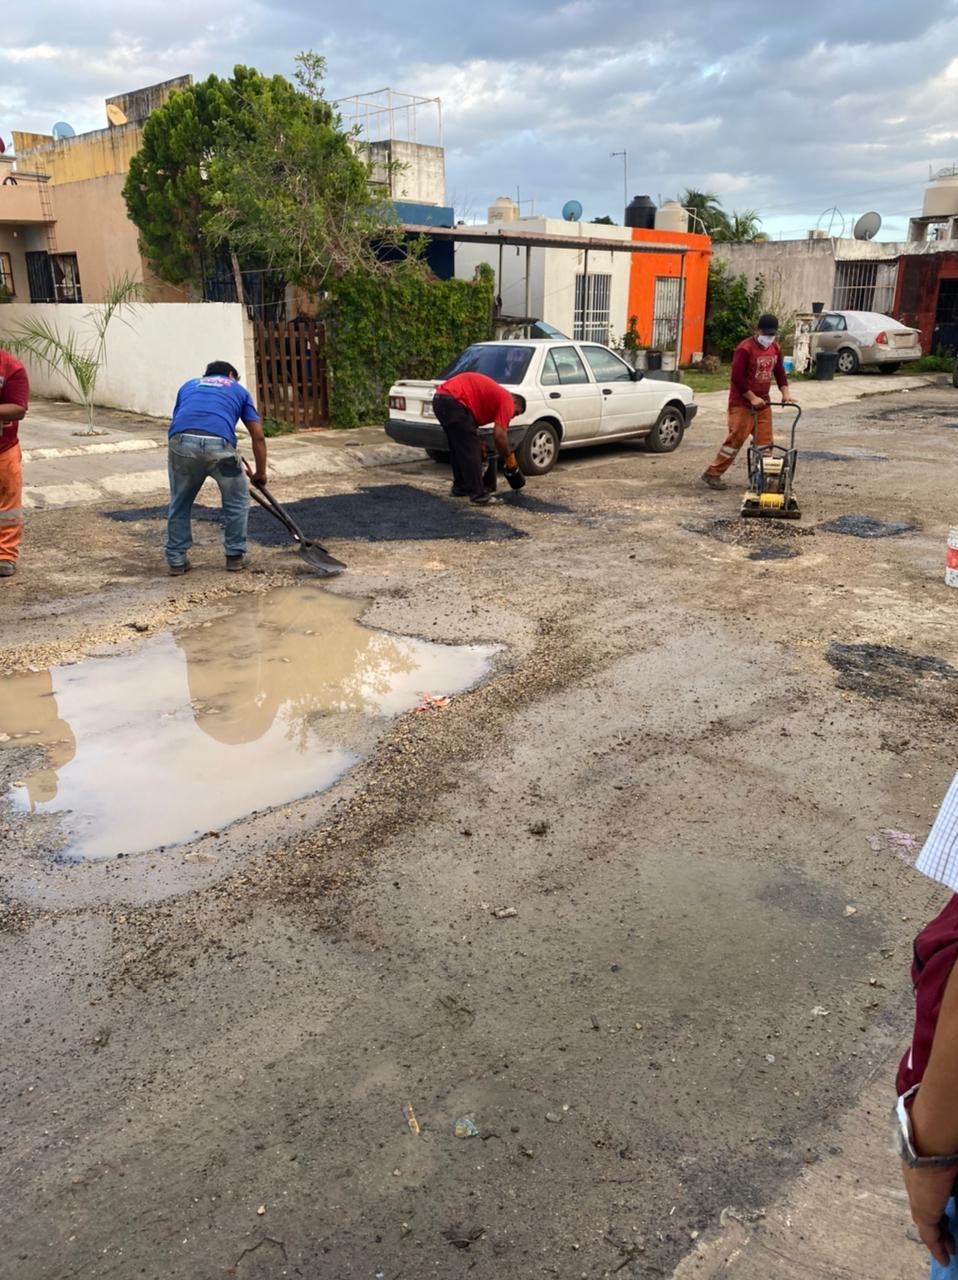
(866, 527)
(197, 728)
(739, 532)
(880, 671)
(852, 455)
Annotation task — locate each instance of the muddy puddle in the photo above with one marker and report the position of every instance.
(270, 701)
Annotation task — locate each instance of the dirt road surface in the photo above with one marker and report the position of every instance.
(639, 906)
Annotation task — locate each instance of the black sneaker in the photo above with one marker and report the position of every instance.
(235, 564)
(7, 568)
(175, 570)
(458, 493)
(714, 482)
(482, 500)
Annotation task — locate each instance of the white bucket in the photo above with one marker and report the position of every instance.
(951, 560)
(668, 361)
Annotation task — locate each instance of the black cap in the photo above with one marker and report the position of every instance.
(767, 324)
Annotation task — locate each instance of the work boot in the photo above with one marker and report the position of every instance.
(235, 564)
(175, 570)
(482, 500)
(456, 492)
(714, 482)
(7, 568)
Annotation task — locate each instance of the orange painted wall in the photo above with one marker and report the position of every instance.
(647, 266)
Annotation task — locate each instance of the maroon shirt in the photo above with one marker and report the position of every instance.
(753, 368)
(485, 399)
(936, 950)
(14, 389)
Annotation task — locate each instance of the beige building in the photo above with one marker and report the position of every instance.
(64, 230)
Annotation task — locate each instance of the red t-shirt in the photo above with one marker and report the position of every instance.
(485, 399)
(753, 368)
(14, 389)
(936, 950)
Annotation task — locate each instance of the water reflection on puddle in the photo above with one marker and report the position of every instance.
(197, 728)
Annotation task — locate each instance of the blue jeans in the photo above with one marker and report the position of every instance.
(950, 1272)
(192, 459)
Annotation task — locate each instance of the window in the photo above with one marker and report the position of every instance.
(606, 366)
(666, 313)
(502, 363)
(6, 275)
(865, 286)
(592, 295)
(562, 366)
(831, 324)
(53, 277)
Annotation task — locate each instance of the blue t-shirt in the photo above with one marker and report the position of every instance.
(212, 404)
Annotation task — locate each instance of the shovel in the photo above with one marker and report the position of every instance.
(315, 555)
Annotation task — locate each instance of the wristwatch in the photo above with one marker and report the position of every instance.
(906, 1141)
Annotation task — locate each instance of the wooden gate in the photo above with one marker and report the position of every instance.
(291, 371)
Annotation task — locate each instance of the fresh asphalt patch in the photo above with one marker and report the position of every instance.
(383, 513)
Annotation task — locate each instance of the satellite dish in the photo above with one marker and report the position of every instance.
(867, 226)
(115, 115)
(62, 130)
(572, 211)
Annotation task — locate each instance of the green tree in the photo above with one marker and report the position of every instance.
(605, 221)
(740, 225)
(732, 308)
(708, 216)
(292, 189)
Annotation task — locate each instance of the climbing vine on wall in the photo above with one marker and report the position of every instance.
(398, 324)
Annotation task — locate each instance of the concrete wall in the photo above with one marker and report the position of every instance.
(152, 349)
(419, 175)
(797, 272)
(88, 155)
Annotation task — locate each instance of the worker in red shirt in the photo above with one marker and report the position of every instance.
(14, 398)
(756, 362)
(462, 405)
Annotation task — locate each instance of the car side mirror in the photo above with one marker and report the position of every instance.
(636, 375)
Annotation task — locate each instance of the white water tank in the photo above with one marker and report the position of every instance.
(503, 210)
(671, 217)
(941, 196)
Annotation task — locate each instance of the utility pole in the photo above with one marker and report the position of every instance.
(625, 176)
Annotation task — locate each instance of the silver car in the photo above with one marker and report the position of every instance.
(866, 337)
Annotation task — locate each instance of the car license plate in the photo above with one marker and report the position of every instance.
(903, 339)
(427, 411)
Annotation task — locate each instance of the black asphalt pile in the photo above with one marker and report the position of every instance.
(737, 532)
(866, 527)
(881, 672)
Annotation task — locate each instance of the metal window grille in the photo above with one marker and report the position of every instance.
(40, 277)
(667, 313)
(592, 295)
(864, 286)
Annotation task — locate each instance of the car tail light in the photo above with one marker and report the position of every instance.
(882, 339)
(397, 402)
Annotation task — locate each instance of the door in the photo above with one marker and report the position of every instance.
(626, 405)
(568, 391)
(831, 332)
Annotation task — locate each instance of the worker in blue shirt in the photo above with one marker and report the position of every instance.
(202, 443)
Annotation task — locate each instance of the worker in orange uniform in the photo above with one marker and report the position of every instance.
(462, 405)
(756, 362)
(14, 398)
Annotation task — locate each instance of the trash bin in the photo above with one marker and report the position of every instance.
(826, 362)
(655, 359)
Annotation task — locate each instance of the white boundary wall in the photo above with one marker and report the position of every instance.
(151, 349)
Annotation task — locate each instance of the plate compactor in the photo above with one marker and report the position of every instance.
(771, 472)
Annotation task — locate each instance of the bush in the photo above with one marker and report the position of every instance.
(732, 309)
(398, 324)
(930, 364)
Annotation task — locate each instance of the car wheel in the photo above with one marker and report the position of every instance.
(442, 456)
(889, 368)
(539, 449)
(848, 361)
(668, 431)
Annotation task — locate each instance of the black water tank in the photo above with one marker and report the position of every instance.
(640, 213)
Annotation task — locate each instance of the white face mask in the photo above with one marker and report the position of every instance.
(765, 340)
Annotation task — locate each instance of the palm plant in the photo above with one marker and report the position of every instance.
(77, 358)
(741, 225)
(706, 210)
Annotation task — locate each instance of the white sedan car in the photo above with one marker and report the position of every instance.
(866, 337)
(576, 393)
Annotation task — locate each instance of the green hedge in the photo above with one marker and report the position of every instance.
(402, 324)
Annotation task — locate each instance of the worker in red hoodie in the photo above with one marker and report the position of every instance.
(14, 397)
(756, 362)
(462, 405)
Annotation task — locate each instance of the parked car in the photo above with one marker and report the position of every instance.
(866, 337)
(576, 393)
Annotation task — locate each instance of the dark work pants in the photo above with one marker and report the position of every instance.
(463, 436)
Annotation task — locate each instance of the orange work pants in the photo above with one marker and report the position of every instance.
(740, 422)
(11, 503)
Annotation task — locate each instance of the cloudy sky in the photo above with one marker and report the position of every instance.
(785, 108)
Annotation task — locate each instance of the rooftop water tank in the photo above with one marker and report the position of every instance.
(503, 210)
(640, 212)
(672, 217)
(941, 196)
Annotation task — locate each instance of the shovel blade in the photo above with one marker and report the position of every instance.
(320, 561)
